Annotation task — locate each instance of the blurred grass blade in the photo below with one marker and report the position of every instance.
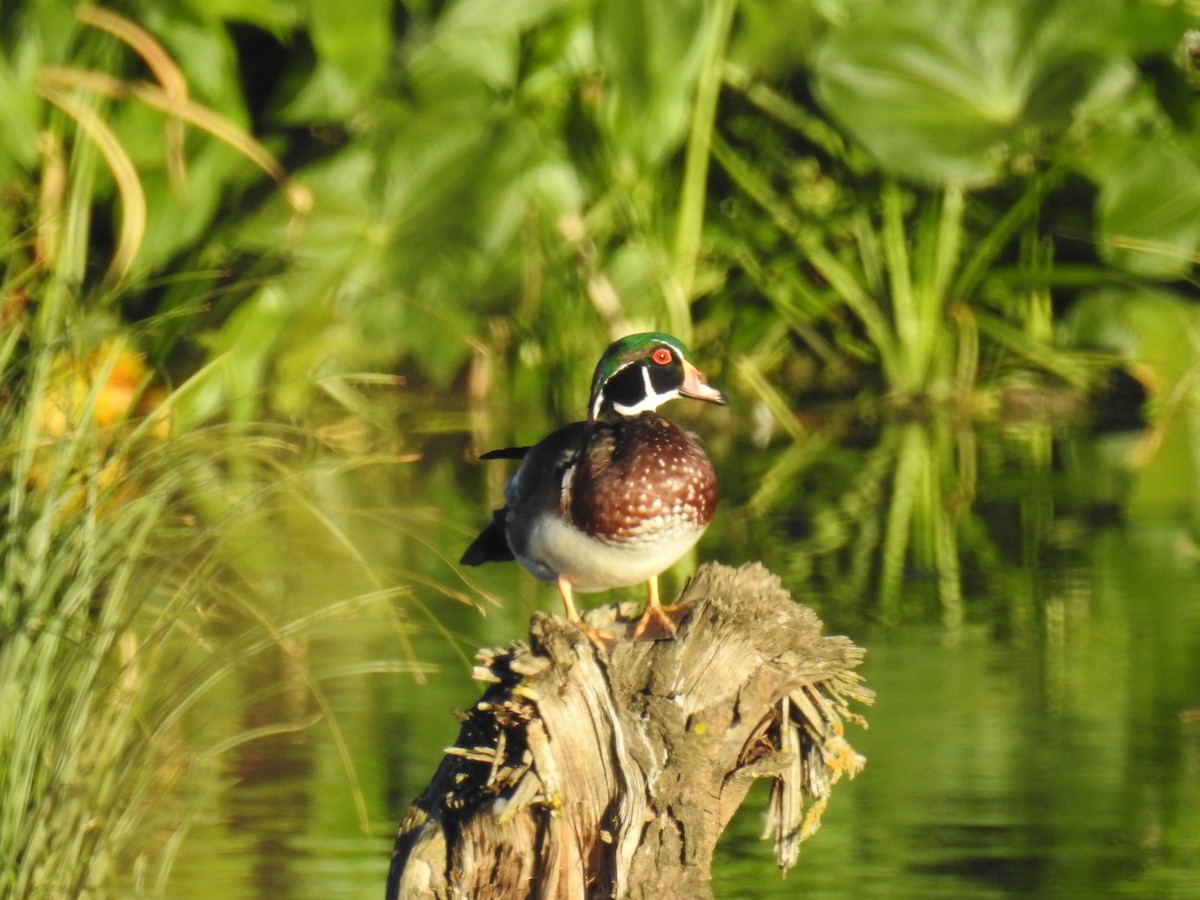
(61, 77)
(129, 185)
(690, 217)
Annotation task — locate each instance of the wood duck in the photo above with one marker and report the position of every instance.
(615, 500)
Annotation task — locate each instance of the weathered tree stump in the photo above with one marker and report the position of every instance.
(585, 775)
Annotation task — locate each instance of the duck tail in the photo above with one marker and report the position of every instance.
(491, 545)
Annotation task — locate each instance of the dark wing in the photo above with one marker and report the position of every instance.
(536, 484)
(491, 544)
(531, 491)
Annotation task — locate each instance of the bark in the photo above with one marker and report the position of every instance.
(580, 774)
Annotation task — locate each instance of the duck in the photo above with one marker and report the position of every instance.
(614, 500)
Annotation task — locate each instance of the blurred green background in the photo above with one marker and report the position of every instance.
(274, 273)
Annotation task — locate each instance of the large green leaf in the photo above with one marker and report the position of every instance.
(952, 92)
(19, 119)
(1154, 330)
(33, 34)
(488, 14)
(650, 57)
(1148, 209)
(353, 43)
(276, 16)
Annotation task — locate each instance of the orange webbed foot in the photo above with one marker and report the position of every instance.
(657, 621)
(602, 641)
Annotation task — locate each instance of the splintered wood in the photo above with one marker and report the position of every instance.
(580, 774)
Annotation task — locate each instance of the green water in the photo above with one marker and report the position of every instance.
(1029, 598)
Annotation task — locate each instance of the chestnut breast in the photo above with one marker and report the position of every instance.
(638, 479)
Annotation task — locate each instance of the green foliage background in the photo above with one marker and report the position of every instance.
(886, 191)
(291, 208)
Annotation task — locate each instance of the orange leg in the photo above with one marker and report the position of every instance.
(564, 588)
(603, 642)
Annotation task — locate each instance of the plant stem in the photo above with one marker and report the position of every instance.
(906, 323)
(690, 222)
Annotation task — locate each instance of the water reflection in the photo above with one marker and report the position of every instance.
(1031, 607)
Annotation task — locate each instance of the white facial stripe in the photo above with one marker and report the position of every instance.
(650, 402)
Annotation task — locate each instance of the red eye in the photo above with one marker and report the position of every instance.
(662, 356)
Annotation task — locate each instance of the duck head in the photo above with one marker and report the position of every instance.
(640, 372)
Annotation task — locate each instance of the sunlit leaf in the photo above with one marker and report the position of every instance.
(1155, 331)
(487, 14)
(19, 114)
(650, 56)
(277, 16)
(950, 93)
(1149, 208)
(354, 37)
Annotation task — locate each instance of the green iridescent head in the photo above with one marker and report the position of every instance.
(640, 372)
